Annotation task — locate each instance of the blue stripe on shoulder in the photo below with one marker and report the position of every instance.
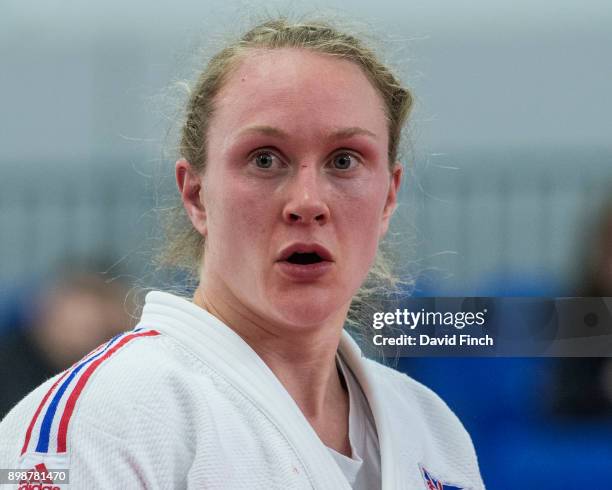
(45, 428)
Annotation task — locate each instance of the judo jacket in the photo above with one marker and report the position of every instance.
(182, 401)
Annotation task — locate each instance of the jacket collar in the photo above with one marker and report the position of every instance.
(217, 345)
(374, 390)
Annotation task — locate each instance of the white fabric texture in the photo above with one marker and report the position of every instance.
(195, 407)
(362, 469)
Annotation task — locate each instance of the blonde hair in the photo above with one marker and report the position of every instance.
(185, 246)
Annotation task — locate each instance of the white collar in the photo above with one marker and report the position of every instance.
(224, 350)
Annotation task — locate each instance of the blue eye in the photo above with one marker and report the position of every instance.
(343, 161)
(264, 160)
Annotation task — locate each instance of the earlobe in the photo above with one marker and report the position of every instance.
(391, 201)
(189, 184)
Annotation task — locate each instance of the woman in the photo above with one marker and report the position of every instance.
(289, 178)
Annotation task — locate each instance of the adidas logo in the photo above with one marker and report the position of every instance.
(37, 486)
(41, 480)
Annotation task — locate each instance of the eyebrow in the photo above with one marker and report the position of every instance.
(337, 134)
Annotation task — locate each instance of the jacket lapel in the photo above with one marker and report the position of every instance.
(395, 454)
(225, 351)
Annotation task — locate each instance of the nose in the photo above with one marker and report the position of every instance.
(306, 203)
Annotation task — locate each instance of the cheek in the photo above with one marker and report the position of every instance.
(237, 218)
(362, 219)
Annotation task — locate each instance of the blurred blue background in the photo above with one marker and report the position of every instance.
(509, 158)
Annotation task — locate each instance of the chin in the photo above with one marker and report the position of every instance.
(308, 310)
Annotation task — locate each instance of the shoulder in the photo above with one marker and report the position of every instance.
(122, 381)
(113, 418)
(14, 426)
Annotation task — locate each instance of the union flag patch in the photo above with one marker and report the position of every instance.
(433, 483)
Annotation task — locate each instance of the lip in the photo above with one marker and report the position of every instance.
(305, 272)
(300, 247)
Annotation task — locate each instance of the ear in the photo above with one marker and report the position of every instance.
(189, 183)
(391, 201)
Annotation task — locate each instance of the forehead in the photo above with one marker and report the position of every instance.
(299, 91)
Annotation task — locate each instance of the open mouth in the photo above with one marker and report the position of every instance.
(305, 258)
(305, 254)
(305, 262)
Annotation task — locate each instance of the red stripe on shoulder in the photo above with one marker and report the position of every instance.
(78, 388)
(46, 397)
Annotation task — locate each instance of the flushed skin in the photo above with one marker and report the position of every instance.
(306, 111)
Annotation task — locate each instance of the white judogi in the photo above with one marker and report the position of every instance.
(184, 402)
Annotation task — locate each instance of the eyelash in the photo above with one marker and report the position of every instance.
(258, 153)
(354, 159)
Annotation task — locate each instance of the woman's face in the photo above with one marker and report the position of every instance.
(297, 191)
